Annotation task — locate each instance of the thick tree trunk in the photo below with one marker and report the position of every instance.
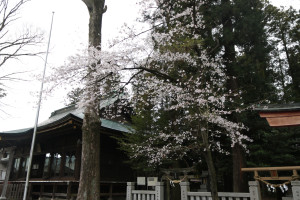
(210, 166)
(96, 9)
(239, 183)
(89, 186)
(230, 62)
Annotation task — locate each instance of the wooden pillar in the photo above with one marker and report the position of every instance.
(54, 191)
(9, 166)
(254, 190)
(62, 164)
(49, 174)
(296, 190)
(29, 190)
(159, 191)
(19, 170)
(184, 188)
(110, 191)
(78, 160)
(168, 186)
(41, 190)
(69, 190)
(130, 187)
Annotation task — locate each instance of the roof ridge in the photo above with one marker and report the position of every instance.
(62, 110)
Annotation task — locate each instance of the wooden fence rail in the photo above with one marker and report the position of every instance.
(45, 190)
(14, 191)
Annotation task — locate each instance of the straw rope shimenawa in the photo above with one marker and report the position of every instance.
(274, 176)
(175, 181)
(258, 178)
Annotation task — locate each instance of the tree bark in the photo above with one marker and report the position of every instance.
(96, 9)
(230, 62)
(239, 183)
(210, 166)
(89, 185)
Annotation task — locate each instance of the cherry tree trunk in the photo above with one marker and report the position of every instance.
(210, 166)
(89, 185)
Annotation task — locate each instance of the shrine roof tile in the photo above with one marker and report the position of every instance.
(77, 112)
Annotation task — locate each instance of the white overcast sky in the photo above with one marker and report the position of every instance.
(69, 35)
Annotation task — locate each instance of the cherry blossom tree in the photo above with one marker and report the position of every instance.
(179, 77)
(167, 70)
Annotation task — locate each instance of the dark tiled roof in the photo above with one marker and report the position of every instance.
(63, 113)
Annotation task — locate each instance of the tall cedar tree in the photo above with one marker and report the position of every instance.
(236, 29)
(282, 148)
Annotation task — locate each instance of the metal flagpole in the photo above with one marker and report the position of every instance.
(37, 118)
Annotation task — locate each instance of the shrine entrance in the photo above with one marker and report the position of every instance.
(172, 185)
(175, 176)
(172, 178)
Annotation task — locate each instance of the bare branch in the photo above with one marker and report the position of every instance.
(10, 76)
(154, 72)
(137, 34)
(14, 47)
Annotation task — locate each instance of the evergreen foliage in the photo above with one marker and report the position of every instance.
(283, 28)
(242, 33)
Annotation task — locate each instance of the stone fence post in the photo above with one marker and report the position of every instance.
(296, 190)
(159, 191)
(184, 188)
(254, 190)
(130, 187)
